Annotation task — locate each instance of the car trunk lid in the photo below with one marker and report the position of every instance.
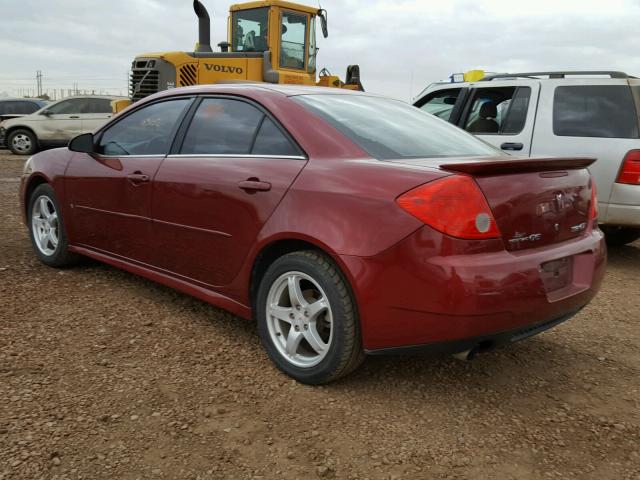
(535, 202)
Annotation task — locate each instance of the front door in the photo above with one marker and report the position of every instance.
(503, 115)
(110, 192)
(211, 199)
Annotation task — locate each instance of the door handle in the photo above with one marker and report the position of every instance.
(74, 116)
(137, 178)
(511, 146)
(253, 185)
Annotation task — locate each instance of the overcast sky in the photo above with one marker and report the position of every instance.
(401, 46)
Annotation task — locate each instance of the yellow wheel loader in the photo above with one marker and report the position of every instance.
(270, 41)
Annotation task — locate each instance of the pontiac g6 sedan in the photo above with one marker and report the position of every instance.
(344, 223)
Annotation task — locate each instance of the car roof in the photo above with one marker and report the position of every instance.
(108, 97)
(256, 87)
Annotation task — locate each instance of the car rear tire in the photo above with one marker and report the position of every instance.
(22, 142)
(46, 229)
(307, 318)
(618, 236)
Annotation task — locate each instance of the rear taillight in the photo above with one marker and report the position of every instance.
(593, 208)
(630, 171)
(453, 205)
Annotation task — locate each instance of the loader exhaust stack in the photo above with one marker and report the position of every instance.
(204, 27)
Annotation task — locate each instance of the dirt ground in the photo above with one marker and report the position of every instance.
(104, 375)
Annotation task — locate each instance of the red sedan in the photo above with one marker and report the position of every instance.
(344, 223)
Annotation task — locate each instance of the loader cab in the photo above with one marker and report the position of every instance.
(285, 29)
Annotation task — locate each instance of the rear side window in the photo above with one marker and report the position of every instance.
(606, 111)
(271, 141)
(223, 126)
(97, 105)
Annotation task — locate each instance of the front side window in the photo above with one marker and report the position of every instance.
(249, 30)
(148, 131)
(441, 103)
(67, 107)
(223, 126)
(606, 111)
(293, 40)
(390, 129)
(498, 111)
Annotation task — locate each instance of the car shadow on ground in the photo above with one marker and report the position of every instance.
(549, 360)
(626, 256)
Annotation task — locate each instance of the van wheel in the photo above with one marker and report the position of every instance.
(307, 318)
(618, 236)
(22, 142)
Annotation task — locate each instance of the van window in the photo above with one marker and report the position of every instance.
(498, 111)
(441, 103)
(606, 111)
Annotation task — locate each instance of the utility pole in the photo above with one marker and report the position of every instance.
(39, 82)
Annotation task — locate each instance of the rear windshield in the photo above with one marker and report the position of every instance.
(605, 111)
(390, 129)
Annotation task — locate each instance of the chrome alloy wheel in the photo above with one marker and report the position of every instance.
(21, 143)
(45, 225)
(299, 319)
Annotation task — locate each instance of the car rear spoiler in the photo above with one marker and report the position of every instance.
(493, 167)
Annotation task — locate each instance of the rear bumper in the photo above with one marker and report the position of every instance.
(623, 208)
(431, 289)
(482, 343)
(623, 215)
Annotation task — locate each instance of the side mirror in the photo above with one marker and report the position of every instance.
(449, 100)
(46, 113)
(322, 13)
(83, 143)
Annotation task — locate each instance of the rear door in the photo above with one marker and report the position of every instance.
(95, 113)
(110, 192)
(503, 114)
(212, 197)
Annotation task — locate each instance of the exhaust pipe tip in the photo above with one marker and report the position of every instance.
(467, 355)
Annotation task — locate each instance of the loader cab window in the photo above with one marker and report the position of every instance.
(249, 30)
(293, 40)
(311, 63)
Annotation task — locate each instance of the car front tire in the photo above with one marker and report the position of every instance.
(22, 142)
(307, 318)
(46, 229)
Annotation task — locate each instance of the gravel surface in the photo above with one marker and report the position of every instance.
(104, 375)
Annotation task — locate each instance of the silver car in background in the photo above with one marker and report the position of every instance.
(56, 123)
